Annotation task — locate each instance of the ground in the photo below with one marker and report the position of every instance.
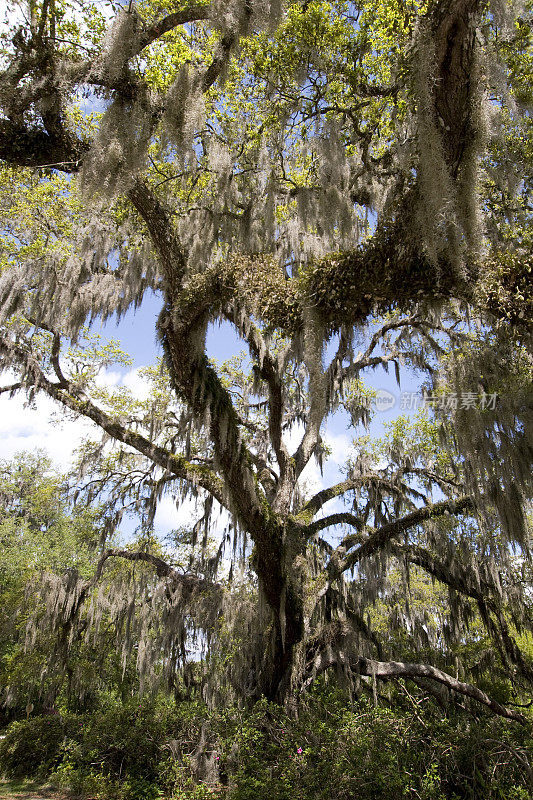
(27, 790)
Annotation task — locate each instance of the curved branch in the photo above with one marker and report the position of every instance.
(350, 484)
(181, 328)
(189, 582)
(324, 495)
(340, 561)
(341, 518)
(400, 669)
(194, 12)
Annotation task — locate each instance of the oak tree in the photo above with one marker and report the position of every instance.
(348, 186)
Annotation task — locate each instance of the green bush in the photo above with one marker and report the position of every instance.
(31, 747)
(118, 753)
(123, 741)
(89, 783)
(332, 751)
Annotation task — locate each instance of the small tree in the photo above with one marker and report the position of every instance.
(314, 175)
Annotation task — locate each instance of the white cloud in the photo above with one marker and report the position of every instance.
(293, 437)
(44, 425)
(137, 384)
(311, 481)
(108, 378)
(340, 445)
(33, 428)
(132, 380)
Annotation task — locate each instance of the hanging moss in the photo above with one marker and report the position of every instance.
(495, 439)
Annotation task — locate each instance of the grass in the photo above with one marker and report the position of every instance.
(26, 790)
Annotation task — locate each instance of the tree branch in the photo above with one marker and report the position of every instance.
(12, 387)
(350, 484)
(400, 669)
(341, 518)
(187, 580)
(162, 233)
(23, 147)
(194, 12)
(175, 464)
(182, 331)
(380, 538)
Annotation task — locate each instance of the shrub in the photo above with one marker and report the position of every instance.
(124, 741)
(336, 752)
(332, 751)
(31, 747)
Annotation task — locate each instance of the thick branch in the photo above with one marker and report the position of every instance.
(324, 495)
(162, 233)
(350, 484)
(194, 12)
(182, 328)
(400, 669)
(220, 59)
(12, 387)
(454, 31)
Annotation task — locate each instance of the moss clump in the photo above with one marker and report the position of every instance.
(506, 290)
(388, 272)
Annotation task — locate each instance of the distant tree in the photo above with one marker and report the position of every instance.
(38, 535)
(320, 174)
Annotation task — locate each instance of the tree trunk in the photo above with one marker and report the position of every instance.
(281, 586)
